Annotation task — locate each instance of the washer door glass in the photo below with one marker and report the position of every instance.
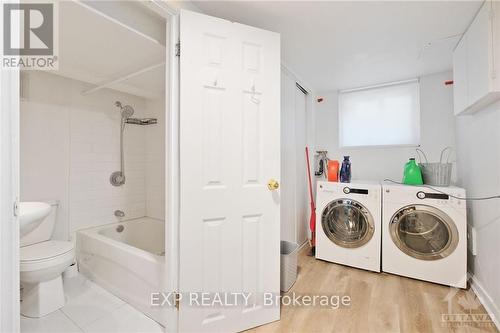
(347, 223)
(424, 232)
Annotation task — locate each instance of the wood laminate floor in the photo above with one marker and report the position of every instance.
(379, 303)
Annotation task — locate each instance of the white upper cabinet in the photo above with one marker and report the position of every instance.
(474, 60)
(460, 86)
(479, 54)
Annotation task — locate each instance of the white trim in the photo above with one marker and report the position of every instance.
(9, 193)
(122, 78)
(296, 77)
(115, 21)
(395, 146)
(172, 169)
(486, 300)
(163, 8)
(375, 86)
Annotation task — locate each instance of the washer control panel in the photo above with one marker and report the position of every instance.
(348, 190)
(438, 196)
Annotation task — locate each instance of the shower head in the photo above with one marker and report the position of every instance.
(126, 110)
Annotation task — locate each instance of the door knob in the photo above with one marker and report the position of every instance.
(273, 184)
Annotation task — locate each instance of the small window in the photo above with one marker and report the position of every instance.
(384, 115)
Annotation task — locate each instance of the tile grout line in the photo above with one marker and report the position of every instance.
(71, 320)
(103, 316)
(104, 292)
(100, 291)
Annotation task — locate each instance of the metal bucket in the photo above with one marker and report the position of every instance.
(289, 253)
(438, 173)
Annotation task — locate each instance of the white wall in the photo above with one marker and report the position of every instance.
(437, 132)
(70, 147)
(478, 140)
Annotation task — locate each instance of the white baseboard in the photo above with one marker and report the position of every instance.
(486, 300)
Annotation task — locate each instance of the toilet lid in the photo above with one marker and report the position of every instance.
(45, 250)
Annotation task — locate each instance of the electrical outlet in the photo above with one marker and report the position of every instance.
(471, 239)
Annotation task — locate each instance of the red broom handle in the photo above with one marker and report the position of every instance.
(309, 174)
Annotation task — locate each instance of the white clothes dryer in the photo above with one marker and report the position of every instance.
(424, 233)
(348, 223)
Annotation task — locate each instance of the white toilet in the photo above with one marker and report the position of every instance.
(42, 263)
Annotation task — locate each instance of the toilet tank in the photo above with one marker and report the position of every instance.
(44, 231)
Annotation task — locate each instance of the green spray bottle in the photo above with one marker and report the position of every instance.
(412, 174)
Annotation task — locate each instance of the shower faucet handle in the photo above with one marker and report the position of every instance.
(119, 213)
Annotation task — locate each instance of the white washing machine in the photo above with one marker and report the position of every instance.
(348, 223)
(424, 234)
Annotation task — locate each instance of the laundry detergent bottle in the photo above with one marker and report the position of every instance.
(412, 174)
(345, 171)
(333, 171)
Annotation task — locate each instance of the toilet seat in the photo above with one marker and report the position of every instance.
(45, 250)
(45, 254)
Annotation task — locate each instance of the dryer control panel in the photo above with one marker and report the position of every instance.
(438, 196)
(348, 190)
(372, 192)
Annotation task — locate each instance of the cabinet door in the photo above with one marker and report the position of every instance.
(460, 81)
(479, 53)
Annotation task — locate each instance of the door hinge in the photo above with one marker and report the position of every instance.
(177, 300)
(178, 49)
(16, 208)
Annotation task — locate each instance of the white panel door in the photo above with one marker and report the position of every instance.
(229, 150)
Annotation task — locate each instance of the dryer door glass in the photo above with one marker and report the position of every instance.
(347, 223)
(424, 232)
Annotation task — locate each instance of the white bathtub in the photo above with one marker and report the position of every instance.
(128, 259)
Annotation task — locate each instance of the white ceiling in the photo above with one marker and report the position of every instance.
(336, 45)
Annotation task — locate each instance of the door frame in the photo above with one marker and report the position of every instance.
(310, 138)
(9, 194)
(10, 178)
(172, 166)
(172, 160)
(10, 316)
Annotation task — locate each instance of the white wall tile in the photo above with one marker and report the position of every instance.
(70, 147)
(155, 168)
(45, 159)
